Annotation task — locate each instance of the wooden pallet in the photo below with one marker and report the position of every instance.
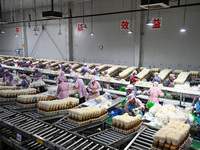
(184, 146)
(88, 121)
(127, 132)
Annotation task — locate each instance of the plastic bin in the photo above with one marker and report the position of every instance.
(195, 144)
(117, 111)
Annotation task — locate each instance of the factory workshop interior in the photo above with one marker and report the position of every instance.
(99, 75)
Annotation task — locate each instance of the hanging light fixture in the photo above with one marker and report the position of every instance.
(149, 22)
(60, 33)
(91, 33)
(36, 27)
(84, 26)
(130, 31)
(183, 28)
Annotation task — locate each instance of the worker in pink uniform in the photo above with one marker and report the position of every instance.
(69, 69)
(62, 74)
(133, 103)
(8, 78)
(93, 88)
(154, 93)
(81, 89)
(63, 88)
(48, 65)
(106, 85)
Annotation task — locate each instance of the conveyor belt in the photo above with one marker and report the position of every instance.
(107, 137)
(143, 140)
(11, 107)
(33, 114)
(51, 136)
(66, 125)
(5, 137)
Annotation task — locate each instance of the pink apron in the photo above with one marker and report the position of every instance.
(63, 90)
(81, 88)
(94, 88)
(107, 85)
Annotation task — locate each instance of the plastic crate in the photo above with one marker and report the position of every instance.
(109, 121)
(195, 144)
(117, 111)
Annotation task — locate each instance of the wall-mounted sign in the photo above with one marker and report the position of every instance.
(17, 30)
(157, 23)
(124, 25)
(80, 26)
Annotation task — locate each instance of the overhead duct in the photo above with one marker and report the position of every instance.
(2, 21)
(154, 4)
(52, 14)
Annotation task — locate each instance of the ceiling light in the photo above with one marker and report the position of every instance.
(149, 23)
(182, 30)
(130, 31)
(91, 33)
(184, 14)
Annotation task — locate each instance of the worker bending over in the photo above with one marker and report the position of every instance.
(133, 105)
(93, 88)
(25, 83)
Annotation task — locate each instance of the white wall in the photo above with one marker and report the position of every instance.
(118, 46)
(169, 47)
(163, 48)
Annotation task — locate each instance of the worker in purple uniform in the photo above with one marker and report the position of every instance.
(69, 69)
(10, 63)
(37, 74)
(8, 78)
(1, 71)
(170, 81)
(25, 83)
(84, 69)
(157, 78)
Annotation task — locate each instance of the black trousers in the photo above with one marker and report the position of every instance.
(82, 100)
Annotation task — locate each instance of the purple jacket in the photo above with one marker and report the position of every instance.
(1, 71)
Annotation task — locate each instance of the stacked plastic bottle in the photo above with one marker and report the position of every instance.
(194, 73)
(2, 83)
(37, 83)
(57, 106)
(126, 122)
(28, 99)
(171, 136)
(8, 87)
(87, 114)
(15, 93)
